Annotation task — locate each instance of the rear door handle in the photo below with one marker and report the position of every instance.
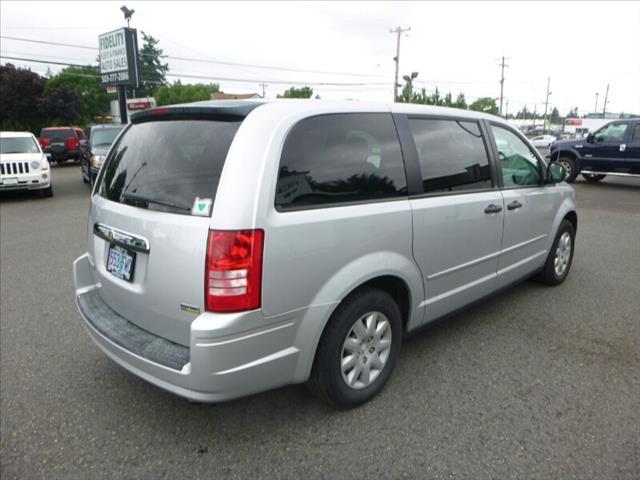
(493, 209)
(514, 205)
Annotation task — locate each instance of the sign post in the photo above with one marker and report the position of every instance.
(119, 63)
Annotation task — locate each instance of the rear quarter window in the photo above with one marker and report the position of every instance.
(340, 158)
(165, 165)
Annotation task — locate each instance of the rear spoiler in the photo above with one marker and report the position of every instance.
(226, 112)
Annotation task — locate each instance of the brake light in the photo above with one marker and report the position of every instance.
(233, 273)
(72, 143)
(44, 141)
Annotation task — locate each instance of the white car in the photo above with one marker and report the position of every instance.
(543, 141)
(23, 164)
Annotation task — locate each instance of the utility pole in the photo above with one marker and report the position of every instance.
(502, 65)
(595, 109)
(506, 109)
(263, 85)
(606, 99)
(546, 106)
(398, 31)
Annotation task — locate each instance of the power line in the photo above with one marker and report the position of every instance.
(216, 77)
(200, 60)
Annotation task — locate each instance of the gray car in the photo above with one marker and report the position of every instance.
(235, 247)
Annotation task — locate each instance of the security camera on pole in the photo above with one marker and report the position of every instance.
(119, 61)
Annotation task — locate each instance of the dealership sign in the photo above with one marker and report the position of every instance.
(119, 57)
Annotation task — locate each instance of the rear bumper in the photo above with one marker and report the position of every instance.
(229, 356)
(35, 181)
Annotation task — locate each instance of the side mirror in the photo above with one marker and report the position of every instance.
(591, 138)
(555, 173)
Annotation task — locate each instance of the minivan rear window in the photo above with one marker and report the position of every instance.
(165, 165)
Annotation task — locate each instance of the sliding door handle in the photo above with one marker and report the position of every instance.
(493, 209)
(514, 205)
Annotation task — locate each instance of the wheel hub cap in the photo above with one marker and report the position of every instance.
(366, 350)
(563, 254)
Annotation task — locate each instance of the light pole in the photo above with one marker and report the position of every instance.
(546, 106)
(595, 109)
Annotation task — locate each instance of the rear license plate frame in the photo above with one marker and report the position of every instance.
(114, 265)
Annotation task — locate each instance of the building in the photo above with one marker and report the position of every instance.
(233, 96)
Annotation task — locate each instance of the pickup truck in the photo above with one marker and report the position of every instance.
(613, 149)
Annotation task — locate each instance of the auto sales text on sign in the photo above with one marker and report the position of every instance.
(113, 52)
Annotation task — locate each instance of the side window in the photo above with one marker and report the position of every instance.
(614, 132)
(636, 134)
(452, 155)
(518, 164)
(341, 158)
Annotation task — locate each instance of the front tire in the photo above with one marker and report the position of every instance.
(358, 349)
(591, 178)
(46, 192)
(560, 257)
(570, 167)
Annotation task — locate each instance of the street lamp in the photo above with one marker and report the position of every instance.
(127, 13)
(408, 78)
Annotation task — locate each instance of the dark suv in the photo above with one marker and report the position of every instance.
(94, 151)
(614, 149)
(61, 143)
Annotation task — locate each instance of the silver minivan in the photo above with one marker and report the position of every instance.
(235, 247)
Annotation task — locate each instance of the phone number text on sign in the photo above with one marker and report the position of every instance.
(115, 77)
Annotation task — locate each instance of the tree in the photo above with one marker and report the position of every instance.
(179, 93)
(485, 104)
(460, 102)
(20, 94)
(573, 113)
(61, 105)
(555, 115)
(293, 92)
(152, 70)
(85, 81)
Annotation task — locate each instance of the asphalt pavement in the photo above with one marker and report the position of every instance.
(537, 382)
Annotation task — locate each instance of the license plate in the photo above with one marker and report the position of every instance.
(10, 181)
(121, 262)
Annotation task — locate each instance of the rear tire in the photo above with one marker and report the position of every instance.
(358, 349)
(589, 177)
(558, 263)
(570, 167)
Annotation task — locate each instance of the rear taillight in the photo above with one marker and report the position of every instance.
(233, 273)
(44, 141)
(72, 143)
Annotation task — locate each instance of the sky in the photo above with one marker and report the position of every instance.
(456, 46)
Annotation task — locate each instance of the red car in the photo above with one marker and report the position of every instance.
(61, 143)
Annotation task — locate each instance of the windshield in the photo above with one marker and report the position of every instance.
(166, 165)
(18, 145)
(104, 136)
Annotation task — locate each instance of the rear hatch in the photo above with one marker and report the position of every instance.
(150, 215)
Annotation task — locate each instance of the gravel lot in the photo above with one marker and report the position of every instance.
(537, 382)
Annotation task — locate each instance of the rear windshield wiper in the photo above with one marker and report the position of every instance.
(142, 198)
